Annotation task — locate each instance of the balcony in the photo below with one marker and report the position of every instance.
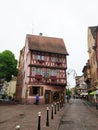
(47, 80)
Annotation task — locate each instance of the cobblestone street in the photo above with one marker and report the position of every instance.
(27, 117)
(75, 115)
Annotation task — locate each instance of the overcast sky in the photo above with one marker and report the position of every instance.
(67, 19)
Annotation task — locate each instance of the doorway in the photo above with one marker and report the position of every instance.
(47, 96)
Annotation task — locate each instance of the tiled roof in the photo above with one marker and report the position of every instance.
(46, 44)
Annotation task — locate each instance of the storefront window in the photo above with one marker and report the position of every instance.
(36, 90)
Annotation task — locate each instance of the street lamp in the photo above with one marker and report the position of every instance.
(70, 83)
(72, 71)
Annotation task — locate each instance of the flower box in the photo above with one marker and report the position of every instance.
(53, 78)
(38, 76)
(58, 62)
(41, 61)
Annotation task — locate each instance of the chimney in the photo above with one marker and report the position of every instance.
(40, 34)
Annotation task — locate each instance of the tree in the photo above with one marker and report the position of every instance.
(68, 92)
(8, 65)
(75, 90)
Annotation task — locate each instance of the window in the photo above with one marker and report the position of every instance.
(52, 72)
(33, 68)
(39, 71)
(40, 57)
(57, 59)
(36, 90)
(33, 71)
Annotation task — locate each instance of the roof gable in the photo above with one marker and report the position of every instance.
(46, 44)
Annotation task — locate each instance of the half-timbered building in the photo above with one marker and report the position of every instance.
(42, 69)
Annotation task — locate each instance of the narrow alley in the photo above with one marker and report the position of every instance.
(78, 115)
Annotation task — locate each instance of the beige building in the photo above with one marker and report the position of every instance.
(81, 86)
(92, 56)
(90, 70)
(11, 88)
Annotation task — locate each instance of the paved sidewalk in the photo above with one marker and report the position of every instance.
(27, 117)
(91, 107)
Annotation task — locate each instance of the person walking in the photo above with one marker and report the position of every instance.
(37, 99)
(67, 97)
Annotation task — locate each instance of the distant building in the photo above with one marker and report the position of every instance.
(3, 88)
(42, 70)
(81, 86)
(11, 88)
(87, 75)
(90, 70)
(92, 55)
(96, 55)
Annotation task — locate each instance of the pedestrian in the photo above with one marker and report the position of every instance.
(67, 97)
(96, 101)
(37, 99)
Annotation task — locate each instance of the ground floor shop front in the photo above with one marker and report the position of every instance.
(47, 94)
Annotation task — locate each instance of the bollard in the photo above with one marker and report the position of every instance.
(39, 121)
(47, 119)
(58, 106)
(62, 102)
(18, 127)
(52, 112)
(55, 107)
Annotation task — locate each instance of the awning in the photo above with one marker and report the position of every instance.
(93, 93)
(84, 93)
(96, 91)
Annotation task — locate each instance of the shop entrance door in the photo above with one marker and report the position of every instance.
(47, 96)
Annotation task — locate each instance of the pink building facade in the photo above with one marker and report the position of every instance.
(42, 70)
